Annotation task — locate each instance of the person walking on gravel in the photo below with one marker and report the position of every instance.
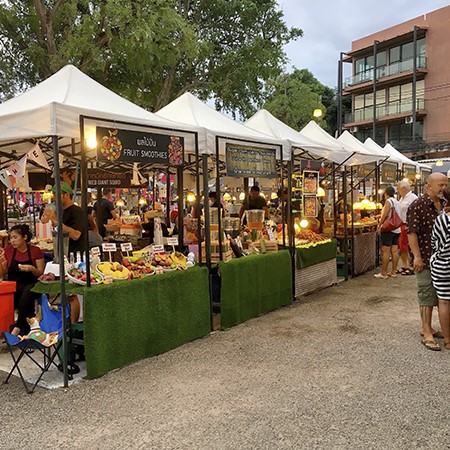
(420, 220)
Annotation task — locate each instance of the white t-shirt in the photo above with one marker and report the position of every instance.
(404, 203)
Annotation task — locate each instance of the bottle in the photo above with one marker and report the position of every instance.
(78, 258)
(71, 258)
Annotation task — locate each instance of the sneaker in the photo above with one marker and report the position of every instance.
(381, 276)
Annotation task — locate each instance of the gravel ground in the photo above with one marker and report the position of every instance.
(342, 369)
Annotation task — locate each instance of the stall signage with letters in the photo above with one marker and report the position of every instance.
(250, 162)
(409, 171)
(388, 173)
(110, 178)
(139, 146)
(365, 170)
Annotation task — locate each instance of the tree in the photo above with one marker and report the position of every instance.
(294, 96)
(149, 51)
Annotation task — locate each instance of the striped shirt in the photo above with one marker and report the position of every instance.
(440, 259)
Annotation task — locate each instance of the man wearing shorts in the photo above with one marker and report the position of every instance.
(407, 197)
(420, 220)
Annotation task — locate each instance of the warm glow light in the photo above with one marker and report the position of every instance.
(262, 195)
(357, 205)
(372, 206)
(142, 201)
(320, 192)
(273, 195)
(242, 196)
(317, 114)
(91, 142)
(380, 191)
(190, 197)
(296, 227)
(439, 163)
(226, 197)
(418, 176)
(120, 203)
(234, 198)
(303, 223)
(406, 180)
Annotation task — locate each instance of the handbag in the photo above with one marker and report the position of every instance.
(392, 222)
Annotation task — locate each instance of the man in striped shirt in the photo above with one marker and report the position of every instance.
(420, 220)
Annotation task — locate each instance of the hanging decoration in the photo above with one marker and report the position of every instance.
(36, 155)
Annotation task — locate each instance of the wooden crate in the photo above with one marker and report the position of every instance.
(215, 257)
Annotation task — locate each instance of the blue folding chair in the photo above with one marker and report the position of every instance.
(51, 322)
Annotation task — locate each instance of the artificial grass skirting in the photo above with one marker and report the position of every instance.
(254, 285)
(311, 256)
(127, 321)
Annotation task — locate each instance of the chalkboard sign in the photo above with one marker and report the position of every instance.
(388, 173)
(250, 162)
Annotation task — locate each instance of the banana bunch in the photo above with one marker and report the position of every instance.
(179, 259)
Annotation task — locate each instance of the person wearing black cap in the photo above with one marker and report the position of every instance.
(73, 220)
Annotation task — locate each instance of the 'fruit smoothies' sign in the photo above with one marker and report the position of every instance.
(388, 173)
(250, 162)
(138, 146)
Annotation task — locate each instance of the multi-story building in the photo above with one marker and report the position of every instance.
(400, 87)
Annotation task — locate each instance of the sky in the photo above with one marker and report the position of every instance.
(330, 26)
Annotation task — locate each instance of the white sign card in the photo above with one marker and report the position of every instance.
(126, 247)
(172, 241)
(109, 247)
(158, 249)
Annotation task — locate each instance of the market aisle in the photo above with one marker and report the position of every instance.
(344, 369)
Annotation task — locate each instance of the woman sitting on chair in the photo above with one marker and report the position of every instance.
(22, 263)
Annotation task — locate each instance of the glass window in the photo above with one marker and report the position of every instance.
(381, 59)
(406, 91)
(359, 101)
(369, 99)
(369, 62)
(407, 51)
(421, 48)
(394, 93)
(381, 96)
(394, 55)
(420, 89)
(359, 66)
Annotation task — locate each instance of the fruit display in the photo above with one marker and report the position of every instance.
(48, 278)
(116, 270)
(77, 275)
(179, 259)
(163, 261)
(138, 267)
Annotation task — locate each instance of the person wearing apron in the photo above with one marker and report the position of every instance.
(22, 263)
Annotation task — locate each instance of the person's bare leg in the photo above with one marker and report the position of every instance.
(385, 254)
(15, 331)
(426, 313)
(444, 320)
(405, 259)
(394, 256)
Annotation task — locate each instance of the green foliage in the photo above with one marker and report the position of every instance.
(294, 96)
(149, 51)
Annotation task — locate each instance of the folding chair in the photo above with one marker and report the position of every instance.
(51, 322)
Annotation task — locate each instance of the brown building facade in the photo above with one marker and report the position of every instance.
(408, 102)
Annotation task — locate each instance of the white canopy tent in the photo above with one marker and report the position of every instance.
(347, 139)
(393, 156)
(189, 110)
(265, 122)
(313, 131)
(53, 108)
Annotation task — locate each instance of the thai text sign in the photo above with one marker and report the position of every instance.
(110, 178)
(139, 146)
(388, 173)
(250, 162)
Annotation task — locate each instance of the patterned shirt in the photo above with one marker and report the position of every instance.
(420, 220)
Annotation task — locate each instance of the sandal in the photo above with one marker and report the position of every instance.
(401, 271)
(431, 345)
(408, 272)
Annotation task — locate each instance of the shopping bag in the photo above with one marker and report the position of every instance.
(392, 222)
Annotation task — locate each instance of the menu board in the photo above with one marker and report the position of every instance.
(310, 206)
(388, 172)
(364, 170)
(310, 182)
(250, 162)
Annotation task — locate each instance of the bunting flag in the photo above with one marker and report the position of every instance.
(18, 169)
(23, 183)
(36, 155)
(5, 178)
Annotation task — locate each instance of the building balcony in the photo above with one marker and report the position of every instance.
(389, 112)
(385, 74)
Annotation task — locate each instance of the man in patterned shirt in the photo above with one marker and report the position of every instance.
(420, 219)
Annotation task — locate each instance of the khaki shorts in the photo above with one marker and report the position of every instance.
(425, 290)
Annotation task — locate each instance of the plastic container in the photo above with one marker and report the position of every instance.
(7, 289)
(255, 219)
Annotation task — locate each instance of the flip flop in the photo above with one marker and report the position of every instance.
(408, 272)
(436, 334)
(431, 345)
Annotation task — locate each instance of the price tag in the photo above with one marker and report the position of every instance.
(109, 247)
(126, 247)
(158, 249)
(271, 235)
(172, 241)
(95, 251)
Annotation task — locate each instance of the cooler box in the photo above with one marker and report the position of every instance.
(7, 289)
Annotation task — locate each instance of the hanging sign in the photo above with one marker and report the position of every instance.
(310, 181)
(111, 178)
(388, 173)
(365, 170)
(139, 146)
(250, 162)
(409, 171)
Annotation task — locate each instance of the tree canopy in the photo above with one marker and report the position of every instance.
(150, 51)
(294, 96)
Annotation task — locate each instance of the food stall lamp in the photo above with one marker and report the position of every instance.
(380, 191)
(262, 194)
(91, 142)
(406, 180)
(379, 206)
(372, 206)
(365, 203)
(120, 203)
(273, 195)
(226, 197)
(242, 196)
(304, 223)
(418, 176)
(439, 163)
(190, 197)
(296, 227)
(357, 205)
(142, 201)
(234, 198)
(317, 114)
(320, 192)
